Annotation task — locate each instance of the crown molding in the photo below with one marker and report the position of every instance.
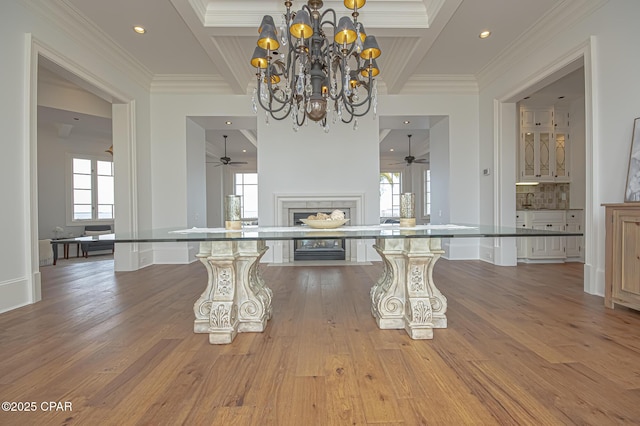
(82, 30)
(440, 83)
(189, 83)
(564, 15)
(249, 13)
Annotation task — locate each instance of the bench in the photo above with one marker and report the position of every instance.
(91, 230)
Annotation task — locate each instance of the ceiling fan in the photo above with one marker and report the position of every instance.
(410, 159)
(225, 161)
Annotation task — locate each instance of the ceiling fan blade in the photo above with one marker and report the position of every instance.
(237, 162)
(421, 161)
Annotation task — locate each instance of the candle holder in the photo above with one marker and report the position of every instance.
(407, 210)
(232, 210)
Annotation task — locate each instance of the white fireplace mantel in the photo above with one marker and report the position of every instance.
(286, 204)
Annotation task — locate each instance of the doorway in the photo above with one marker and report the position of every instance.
(122, 126)
(504, 135)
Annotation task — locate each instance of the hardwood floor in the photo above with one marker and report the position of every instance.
(525, 346)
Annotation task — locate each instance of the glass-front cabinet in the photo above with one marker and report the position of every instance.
(561, 173)
(543, 149)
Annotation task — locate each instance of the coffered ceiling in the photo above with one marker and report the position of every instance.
(420, 39)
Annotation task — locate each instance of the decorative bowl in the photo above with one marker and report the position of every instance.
(324, 224)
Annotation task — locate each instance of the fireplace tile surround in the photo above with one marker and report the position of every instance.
(351, 204)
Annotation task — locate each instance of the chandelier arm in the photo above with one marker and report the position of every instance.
(271, 98)
(285, 116)
(351, 107)
(332, 23)
(304, 118)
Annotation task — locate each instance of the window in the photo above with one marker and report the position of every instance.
(390, 194)
(247, 188)
(92, 195)
(427, 192)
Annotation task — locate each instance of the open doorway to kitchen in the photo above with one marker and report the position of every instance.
(566, 174)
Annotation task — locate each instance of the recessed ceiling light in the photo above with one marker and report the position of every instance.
(244, 150)
(391, 150)
(406, 122)
(139, 29)
(228, 123)
(485, 34)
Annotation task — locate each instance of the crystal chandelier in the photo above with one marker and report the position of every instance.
(315, 75)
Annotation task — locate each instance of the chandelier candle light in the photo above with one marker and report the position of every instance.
(316, 75)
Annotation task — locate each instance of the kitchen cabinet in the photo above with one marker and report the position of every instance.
(575, 245)
(550, 249)
(536, 118)
(547, 247)
(622, 255)
(521, 246)
(544, 147)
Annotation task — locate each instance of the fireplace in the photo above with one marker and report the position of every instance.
(329, 249)
(286, 205)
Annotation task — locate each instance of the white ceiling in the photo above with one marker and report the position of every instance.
(216, 38)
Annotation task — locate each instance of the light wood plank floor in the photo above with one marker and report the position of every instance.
(525, 346)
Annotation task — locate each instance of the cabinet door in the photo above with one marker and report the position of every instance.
(556, 245)
(574, 244)
(546, 155)
(547, 247)
(626, 259)
(561, 154)
(528, 159)
(531, 118)
(521, 243)
(538, 245)
(544, 118)
(537, 156)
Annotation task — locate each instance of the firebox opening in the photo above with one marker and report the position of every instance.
(325, 249)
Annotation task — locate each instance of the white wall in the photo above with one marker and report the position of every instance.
(196, 187)
(440, 199)
(215, 194)
(577, 159)
(25, 30)
(310, 161)
(607, 39)
(457, 161)
(343, 161)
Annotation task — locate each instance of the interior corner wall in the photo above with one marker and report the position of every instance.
(215, 196)
(577, 158)
(170, 169)
(310, 161)
(456, 166)
(440, 169)
(196, 176)
(608, 37)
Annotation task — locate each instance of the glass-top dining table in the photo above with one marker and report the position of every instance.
(237, 299)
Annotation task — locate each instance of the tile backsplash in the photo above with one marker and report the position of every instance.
(545, 196)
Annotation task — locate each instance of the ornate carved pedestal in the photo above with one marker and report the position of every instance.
(405, 296)
(236, 299)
